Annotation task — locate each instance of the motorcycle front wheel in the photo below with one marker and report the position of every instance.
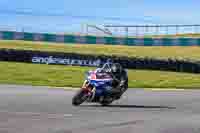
(79, 98)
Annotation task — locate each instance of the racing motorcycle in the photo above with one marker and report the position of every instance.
(95, 88)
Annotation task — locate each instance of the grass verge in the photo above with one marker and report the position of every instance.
(160, 52)
(73, 76)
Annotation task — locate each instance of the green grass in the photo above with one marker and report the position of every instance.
(178, 52)
(73, 76)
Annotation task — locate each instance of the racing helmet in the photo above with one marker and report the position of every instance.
(116, 68)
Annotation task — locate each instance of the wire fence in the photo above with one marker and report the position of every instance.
(113, 30)
(145, 30)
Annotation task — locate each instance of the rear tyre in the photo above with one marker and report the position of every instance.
(106, 102)
(79, 98)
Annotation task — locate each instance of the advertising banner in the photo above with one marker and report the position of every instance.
(39, 57)
(65, 61)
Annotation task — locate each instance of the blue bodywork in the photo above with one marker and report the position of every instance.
(102, 85)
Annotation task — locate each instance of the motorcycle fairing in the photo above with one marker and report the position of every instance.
(101, 81)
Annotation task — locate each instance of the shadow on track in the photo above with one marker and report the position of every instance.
(131, 106)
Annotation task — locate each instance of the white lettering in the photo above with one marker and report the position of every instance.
(65, 61)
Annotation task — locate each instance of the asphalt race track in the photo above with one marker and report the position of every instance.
(44, 110)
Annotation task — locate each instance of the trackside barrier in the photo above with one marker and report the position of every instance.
(12, 35)
(39, 57)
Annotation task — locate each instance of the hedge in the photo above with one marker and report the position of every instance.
(146, 63)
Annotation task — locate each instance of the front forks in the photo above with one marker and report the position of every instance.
(86, 86)
(89, 89)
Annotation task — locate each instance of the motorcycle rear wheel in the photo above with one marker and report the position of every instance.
(106, 102)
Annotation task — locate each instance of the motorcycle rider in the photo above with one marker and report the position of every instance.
(120, 79)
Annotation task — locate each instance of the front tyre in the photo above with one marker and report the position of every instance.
(79, 98)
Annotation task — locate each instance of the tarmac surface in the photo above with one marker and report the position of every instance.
(26, 109)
